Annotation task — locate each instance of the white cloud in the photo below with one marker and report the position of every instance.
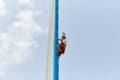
(25, 2)
(2, 8)
(26, 23)
(18, 42)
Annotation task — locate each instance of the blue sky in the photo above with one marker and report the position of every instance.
(93, 43)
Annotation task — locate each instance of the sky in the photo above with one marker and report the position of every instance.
(92, 31)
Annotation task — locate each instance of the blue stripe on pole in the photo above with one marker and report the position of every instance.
(56, 57)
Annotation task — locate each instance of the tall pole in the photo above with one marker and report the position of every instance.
(56, 57)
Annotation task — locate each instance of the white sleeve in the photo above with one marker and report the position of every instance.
(64, 41)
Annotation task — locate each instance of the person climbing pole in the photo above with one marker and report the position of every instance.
(62, 44)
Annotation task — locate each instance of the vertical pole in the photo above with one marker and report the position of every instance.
(56, 57)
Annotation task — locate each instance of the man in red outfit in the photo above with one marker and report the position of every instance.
(62, 44)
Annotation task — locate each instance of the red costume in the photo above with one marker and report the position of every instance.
(62, 48)
(62, 45)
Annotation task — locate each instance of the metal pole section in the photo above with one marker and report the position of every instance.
(56, 57)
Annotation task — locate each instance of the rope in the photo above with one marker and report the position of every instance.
(49, 46)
